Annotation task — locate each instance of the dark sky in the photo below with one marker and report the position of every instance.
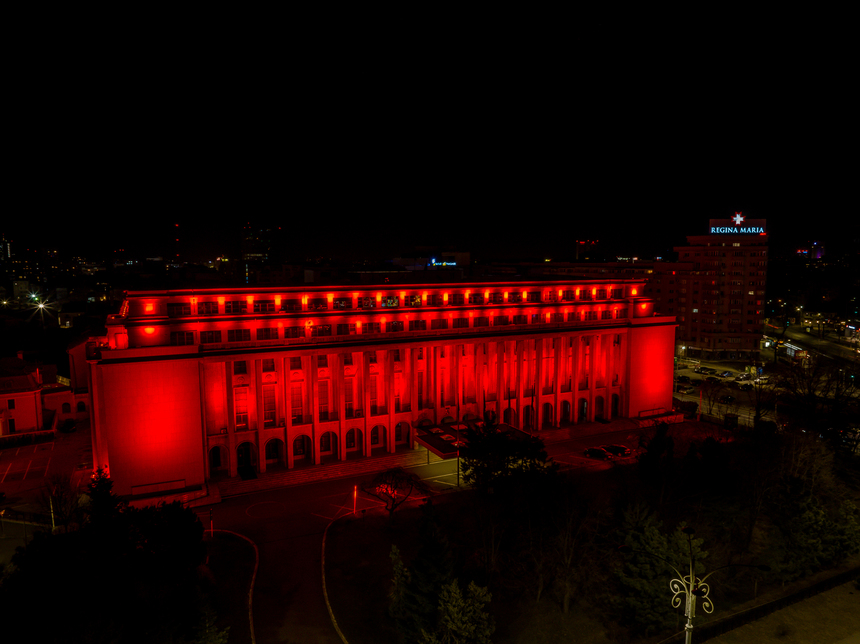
(481, 142)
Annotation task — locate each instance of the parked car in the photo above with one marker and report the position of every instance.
(684, 389)
(599, 453)
(746, 386)
(726, 399)
(724, 374)
(617, 450)
(683, 378)
(712, 379)
(742, 377)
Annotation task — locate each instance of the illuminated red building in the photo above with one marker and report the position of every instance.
(191, 384)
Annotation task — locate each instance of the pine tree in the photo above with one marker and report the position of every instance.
(462, 620)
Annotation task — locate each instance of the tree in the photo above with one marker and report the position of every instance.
(414, 598)
(491, 456)
(129, 564)
(642, 600)
(462, 620)
(61, 500)
(657, 460)
(393, 487)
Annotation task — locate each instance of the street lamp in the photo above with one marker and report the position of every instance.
(691, 586)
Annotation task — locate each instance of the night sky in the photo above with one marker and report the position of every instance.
(488, 143)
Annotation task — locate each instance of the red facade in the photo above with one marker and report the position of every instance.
(194, 384)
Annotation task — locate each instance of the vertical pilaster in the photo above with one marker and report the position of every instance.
(314, 411)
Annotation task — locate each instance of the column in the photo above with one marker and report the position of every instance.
(259, 414)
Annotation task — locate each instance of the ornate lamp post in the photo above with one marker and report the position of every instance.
(691, 586)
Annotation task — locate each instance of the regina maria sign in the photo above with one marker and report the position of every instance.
(737, 225)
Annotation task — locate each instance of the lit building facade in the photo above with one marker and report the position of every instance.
(717, 290)
(189, 385)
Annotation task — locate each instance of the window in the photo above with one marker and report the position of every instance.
(295, 364)
(501, 320)
(318, 304)
(521, 319)
(370, 327)
(240, 367)
(240, 398)
(238, 335)
(515, 298)
(209, 337)
(291, 305)
(294, 332)
(11, 403)
(568, 296)
(601, 294)
(178, 310)
(481, 320)
(461, 323)
(321, 330)
(296, 401)
(367, 303)
(269, 409)
(322, 396)
(394, 326)
(435, 299)
(268, 364)
(390, 302)
(264, 306)
(349, 409)
(350, 439)
(606, 315)
(476, 298)
(417, 325)
(325, 440)
(342, 303)
(322, 362)
(574, 316)
(441, 323)
(534, 296)
(180, 338)
(267, 334)
(207, 308)
(616, 293)
(236, 306)
(346, 329)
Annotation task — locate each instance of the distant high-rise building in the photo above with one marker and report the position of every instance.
(716, 289)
